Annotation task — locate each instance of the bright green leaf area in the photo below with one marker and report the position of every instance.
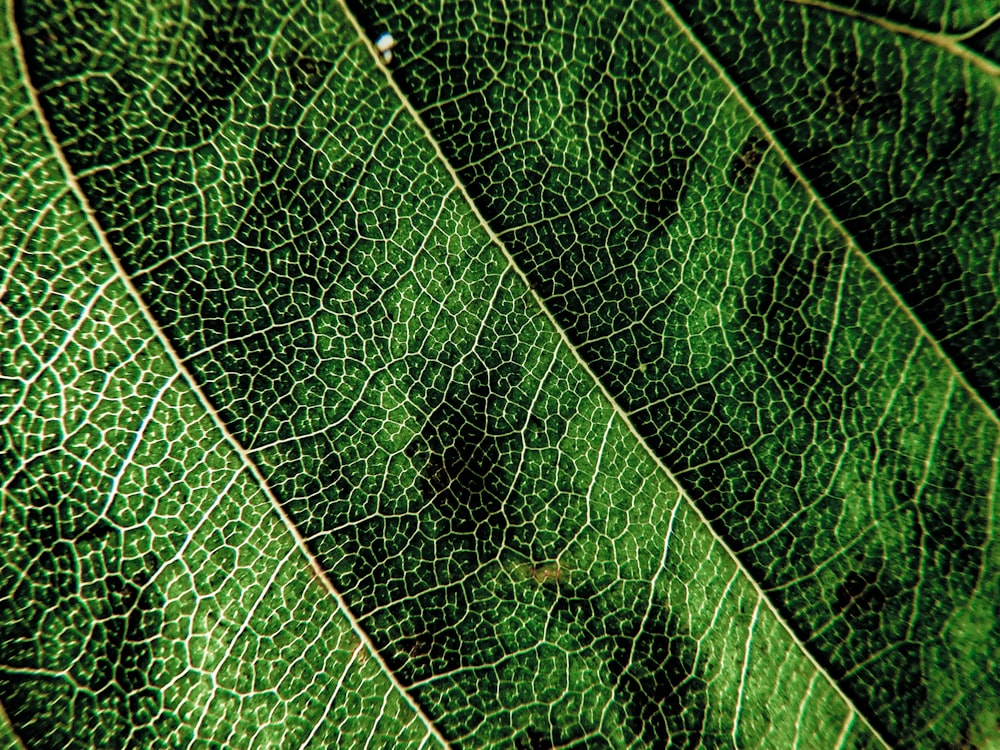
(578, 377)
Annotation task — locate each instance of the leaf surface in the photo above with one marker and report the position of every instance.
(801, 332)
(644, 446)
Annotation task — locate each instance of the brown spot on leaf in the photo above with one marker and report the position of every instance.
(744, 165)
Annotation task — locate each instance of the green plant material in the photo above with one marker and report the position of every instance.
(568, 377)
(8, 738)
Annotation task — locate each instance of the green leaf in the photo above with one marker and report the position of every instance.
(570, 376)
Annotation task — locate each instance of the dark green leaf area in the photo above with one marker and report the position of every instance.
(654, 665)
(859, 590)
(755, 351)
(776, 316)
(205, 70)
(463, 474)
(78, 614)
(898, 136)
(364, 344)
(617, 135)
(562, 650)
(783, 352)
(457, 521)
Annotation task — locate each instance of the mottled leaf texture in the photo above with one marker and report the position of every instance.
(547, 375)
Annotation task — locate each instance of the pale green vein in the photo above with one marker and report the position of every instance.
(333, 697)
(802, 710)
(74, 187)
(8, 737)
(928, 463)
(616, 407)
(743, 673)
(831, 217)
(951, 42)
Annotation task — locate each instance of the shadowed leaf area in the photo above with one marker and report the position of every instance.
(591, 376)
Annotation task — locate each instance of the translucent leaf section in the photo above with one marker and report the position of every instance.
(149, 594)
(527, 569)
(665, 204)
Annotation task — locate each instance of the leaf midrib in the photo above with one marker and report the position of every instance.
(247, 460)
(178, 362)
(581, 362)
(828, 214)
(950, 42)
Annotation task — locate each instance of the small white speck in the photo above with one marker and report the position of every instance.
(384, 45)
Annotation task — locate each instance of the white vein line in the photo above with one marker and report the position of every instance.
(248, 616)
(5, 719)
(950, 42)
(744, 671)
(988, 532)
(192, 534)
(375, 730)
(845, 731)
(137, 438)
(28, 234)
(589, 497)
(651, 600)
(835, 324)
(336, 691)
(193, 384)
(933, 441)
(519, 272)
(802, 710)
(526, 451)
(85, 312)
(826, 210)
